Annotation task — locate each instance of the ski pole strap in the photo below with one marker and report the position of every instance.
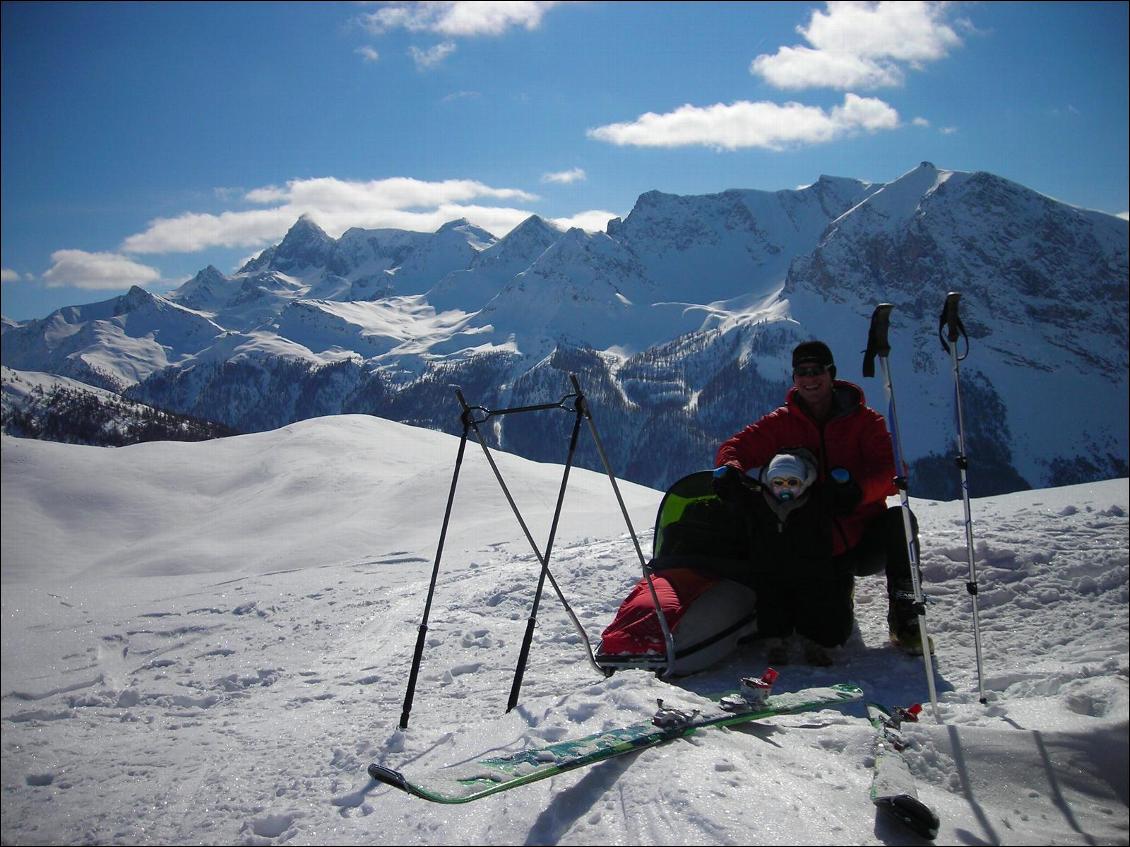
(952, 324)
(877, 343)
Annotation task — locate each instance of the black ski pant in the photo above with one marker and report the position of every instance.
(883, 549)
(820, 608)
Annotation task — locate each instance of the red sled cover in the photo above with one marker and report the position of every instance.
(635, 629)
(706, 615)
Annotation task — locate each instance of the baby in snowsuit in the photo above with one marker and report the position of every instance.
(798, 588)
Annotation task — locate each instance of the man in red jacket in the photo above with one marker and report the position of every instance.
(856, 465)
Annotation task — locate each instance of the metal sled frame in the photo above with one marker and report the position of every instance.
(471, 417)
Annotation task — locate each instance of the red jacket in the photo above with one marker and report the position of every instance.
(855, 438)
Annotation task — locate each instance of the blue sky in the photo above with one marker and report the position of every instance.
(144, 141)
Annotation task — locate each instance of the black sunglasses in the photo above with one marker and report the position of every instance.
(810, 370)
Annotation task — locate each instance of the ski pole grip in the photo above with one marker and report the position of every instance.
(877, 343)
(949, 316)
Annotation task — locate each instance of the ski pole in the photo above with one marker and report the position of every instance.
(878, 345)
(422, 632)
(955, 330)
(524, 653)
(668, 638)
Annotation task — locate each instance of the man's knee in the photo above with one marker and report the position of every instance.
(894, 533)
(883, 547)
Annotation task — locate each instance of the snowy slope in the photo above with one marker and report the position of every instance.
(20, 386)
(207, 643)
(48, 406)
(370, 328)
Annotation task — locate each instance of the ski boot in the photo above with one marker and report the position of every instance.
(902, 620)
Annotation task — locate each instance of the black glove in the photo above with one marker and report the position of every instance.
(843, 492)
(727, 483)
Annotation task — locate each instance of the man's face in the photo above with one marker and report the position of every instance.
(814, 383)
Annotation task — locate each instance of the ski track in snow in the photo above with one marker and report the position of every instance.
(245, 708)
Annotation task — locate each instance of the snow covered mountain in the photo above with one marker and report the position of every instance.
(1044, 298)
(678, 321)
(112, 344)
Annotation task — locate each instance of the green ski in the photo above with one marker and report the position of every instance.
(469, 781)
(892, 784)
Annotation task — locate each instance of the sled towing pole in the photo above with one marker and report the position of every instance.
(878, 345)
(668, 639)
(471, 417)
(955, 330)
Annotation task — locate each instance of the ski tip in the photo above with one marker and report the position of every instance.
(388, 776)
(912, 813)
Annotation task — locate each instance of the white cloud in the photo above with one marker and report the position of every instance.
(861, 45)
(920, 122)
(453, 20)
(336, 205)
(368, 53)
(803, 67)
(898, 29)
(9, 275)
(332, 194)
(768, 125)
(565, 177)
(427, 59)
(190, 232)
(97, 270)
(457, 19)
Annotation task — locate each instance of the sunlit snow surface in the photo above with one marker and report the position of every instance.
(208, 643)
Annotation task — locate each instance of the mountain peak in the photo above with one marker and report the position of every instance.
(133, 300)
(533, 227)
(465, 231)
(305, 245)
(455, 224)
(211, 272)
(826, 180)
(305, 228)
